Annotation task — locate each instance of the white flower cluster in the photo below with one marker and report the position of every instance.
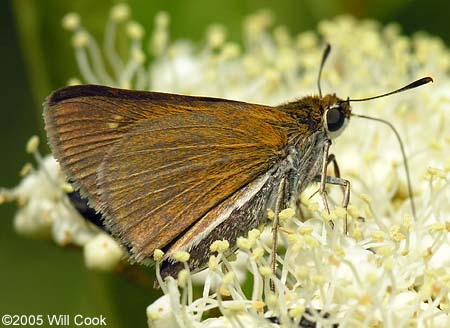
(392, 269)
(45, 211)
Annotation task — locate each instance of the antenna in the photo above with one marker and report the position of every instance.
(412, 85)
(405, 161)
(326, 52)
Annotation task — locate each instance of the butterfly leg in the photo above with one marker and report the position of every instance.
(280, 197)
(324, 179)
(345, 184)
(346, 199)
(337, 173)
(332, 159)
(323, 175)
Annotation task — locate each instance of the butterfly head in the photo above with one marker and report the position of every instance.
(336, 115)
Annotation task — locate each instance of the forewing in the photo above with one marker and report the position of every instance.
(84, 122)
(167, 172)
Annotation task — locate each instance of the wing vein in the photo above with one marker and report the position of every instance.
(144, 217)
(213, 146)
(158, 169)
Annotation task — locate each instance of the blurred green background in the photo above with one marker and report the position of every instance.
(37, 277)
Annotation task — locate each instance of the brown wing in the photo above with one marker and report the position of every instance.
(83, 122)
(155, 163)
(167, 172)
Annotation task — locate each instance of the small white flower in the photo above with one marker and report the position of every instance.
(102, 253)
(160, 314)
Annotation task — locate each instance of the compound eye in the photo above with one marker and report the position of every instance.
(335, 119)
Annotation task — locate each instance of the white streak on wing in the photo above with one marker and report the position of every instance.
(249, 193)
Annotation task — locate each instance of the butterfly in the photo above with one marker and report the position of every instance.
(176, 172)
